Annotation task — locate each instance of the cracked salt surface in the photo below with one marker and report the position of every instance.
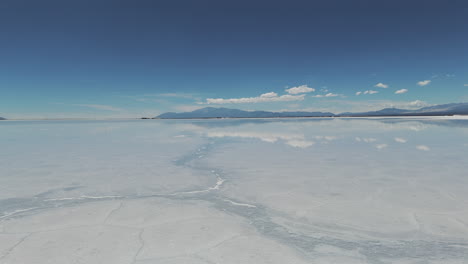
(139, 194)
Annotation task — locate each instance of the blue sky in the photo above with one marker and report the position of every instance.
(141, 58)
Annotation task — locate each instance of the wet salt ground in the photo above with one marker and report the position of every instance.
(234, 191)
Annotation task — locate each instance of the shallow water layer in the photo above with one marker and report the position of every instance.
(301, 190)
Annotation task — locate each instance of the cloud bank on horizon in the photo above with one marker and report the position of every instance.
(297, 93)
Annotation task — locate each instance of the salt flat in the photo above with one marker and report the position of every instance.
(380, 190)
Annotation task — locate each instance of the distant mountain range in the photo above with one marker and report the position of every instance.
(435, 110)
(2, 118)
(213, 112)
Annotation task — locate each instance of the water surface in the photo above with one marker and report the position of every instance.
(301, 190)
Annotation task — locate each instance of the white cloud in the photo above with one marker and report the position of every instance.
(381, 85)
(424, 83)
(466, 85)
(370, 92)
(423, 147)
(269, 95)
(400, 140)
(101, 107)
(266, 97)
(324, 89)
(326, 95)
(358, 93)
(418, 103)
(401, 91)
(300, 89)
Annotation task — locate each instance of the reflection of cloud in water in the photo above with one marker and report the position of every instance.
(409, 125)
(327, 126)
(327, 138)
(267, 137)
(423, 147)
(303, 133)
(300, 143)
(418, 127)
(421, 124)
(367, 140)
(229, 122)
(400, 140)
(337, 199)
(293, 140)
(381, 146)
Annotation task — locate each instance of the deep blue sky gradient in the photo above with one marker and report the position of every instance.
(122, 58)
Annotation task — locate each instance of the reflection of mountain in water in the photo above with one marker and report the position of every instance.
(436, 122)
(215, 123)
(213, 112)
(220, 123)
